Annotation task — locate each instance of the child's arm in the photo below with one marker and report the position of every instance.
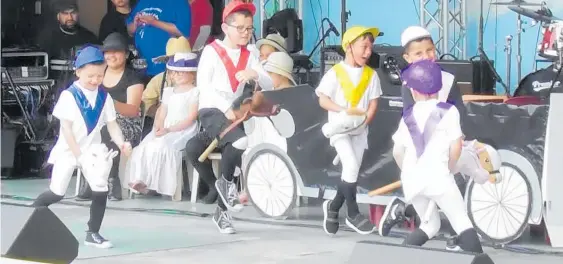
(66, 112)
(327, 104)
(374, 91)
(160, 116)
(399, 145)
(327, 90)
(208, 94)
(455, 136)
(263, 77)
(113, 128)
(455, 153)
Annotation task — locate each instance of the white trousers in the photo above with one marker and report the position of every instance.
(351, 156)
(450, 202)
(60, 176)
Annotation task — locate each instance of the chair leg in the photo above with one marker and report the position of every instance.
(179, 182)
(195, 184)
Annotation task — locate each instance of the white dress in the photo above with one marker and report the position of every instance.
(157, 161)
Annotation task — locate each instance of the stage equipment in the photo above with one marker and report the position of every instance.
(9, 136)
(551, 33)
(491, 67)
(344, 14)
(508, 50)
(37, 235)
(25, 64)
(543, 15)
(472, 76)
(286, 23)
(395, 253)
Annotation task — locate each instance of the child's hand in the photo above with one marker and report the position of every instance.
(161, 132)
(126, 148)
(246, 75)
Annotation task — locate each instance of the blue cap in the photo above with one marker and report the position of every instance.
(423, 76)
(87, 55)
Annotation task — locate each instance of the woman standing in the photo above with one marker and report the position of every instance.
(126, 89)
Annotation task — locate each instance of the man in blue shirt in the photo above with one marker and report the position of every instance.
(153, 22)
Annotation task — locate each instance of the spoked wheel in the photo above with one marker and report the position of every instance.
(271, 184)
(499, 212)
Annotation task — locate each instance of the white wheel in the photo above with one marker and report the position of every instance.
(271, 184)
(499, 212)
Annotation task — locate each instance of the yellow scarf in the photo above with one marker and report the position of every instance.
(352, 93)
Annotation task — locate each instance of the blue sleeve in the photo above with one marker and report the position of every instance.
(183, 18)
(133, 13)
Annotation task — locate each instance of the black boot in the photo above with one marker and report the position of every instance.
(114, 189)
(416, 238)
(84, 191)
(468, 240)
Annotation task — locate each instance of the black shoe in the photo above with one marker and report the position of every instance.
(452, 244)
(393, 215)
(222, 220)
(228, 193)
(330, 223)
(211, 197)
(114, 199)
(360, 224)
(82, 198)
(96, 240)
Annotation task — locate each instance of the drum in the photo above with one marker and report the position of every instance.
(538, 83)
(548, 47)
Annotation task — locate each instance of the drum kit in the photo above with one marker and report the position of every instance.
(551, 46)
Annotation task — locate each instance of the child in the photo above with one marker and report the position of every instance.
(156, 164)
(83, 109)
(279, 66)
(419, 45)
(272, 43)
(350, 84)
(427, 147)
(224, 67)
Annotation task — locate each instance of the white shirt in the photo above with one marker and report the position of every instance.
(429, 173)
(330, 86)
(214, 83)
(67, 109)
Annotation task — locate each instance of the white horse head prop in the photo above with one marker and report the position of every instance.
(344, 123)
(480, 161)
(95, 163)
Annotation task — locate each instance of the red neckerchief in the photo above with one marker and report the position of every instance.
(229, 66)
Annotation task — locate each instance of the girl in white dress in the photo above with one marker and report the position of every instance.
(156, 164)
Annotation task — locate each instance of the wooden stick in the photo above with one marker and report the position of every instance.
(386, 189)
(215, 142)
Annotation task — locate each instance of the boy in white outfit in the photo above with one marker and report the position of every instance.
(428, 144)
(83, 109)
(350, 84)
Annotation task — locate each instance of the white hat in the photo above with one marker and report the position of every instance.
(274, 40)
(280, 63)
(414, 33)
(182, 61)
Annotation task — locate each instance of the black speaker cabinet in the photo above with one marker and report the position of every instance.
(399, 254)
(36, 235)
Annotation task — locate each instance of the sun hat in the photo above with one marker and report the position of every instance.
(183, 62)
(116, 42)
(280, 63)
(274, 40)
(173, 46)
(424, 76)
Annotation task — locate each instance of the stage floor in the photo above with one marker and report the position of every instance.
(156, 230)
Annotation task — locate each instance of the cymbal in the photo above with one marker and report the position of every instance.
(516, 3)
(533, 14)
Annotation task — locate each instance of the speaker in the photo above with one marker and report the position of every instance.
(393, 253)
(286, 23)
(468, 75)
(36, 234)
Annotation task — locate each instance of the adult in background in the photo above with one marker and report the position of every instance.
(115, 20)
(126, 89)
(202, 20)
(152, 23)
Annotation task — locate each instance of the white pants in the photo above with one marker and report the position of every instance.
(351, 156)
(450, 202)
(60, 176)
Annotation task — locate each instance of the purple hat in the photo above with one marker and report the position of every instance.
(423, 76)
(184, 62)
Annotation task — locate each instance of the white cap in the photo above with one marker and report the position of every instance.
(280, 63)
(412, 33)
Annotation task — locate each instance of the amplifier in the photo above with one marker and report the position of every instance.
(468, 75)
(25, 65)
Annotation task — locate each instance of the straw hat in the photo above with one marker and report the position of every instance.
(274, 40)
(280, 63)
(173, 46)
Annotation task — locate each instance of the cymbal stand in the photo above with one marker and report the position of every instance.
(508, 50)
(519, 48)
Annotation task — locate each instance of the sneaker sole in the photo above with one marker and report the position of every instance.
(106, 246)
(383, 218)
(325, 218)
(454, 249)
(350, 225)
(228, 231)
(235, 209)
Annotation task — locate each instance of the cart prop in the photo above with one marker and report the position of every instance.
(278, 170)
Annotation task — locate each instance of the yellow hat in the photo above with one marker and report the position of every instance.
(173, 46)
(354, 32)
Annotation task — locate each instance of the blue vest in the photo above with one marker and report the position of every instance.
(89, 115)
